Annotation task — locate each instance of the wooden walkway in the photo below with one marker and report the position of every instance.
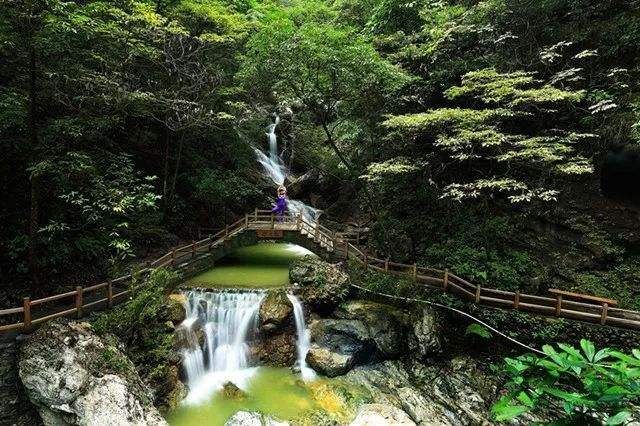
(559, 304)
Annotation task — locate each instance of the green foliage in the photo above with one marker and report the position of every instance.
(577, 383)
(478, 330)
(509, 163)
(140, 323)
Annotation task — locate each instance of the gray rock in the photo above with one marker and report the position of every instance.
(322, 285)
(338, 345)
(73, 376)
(275, 312)
(247, 418)
(384, 323)
(15, 408)
(426, 332)
(381, 414)
(429, 395)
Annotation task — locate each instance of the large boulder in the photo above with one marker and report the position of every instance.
(15, 408)
(277, 350)
(338, 345)
(275, 312)
(322, 285)
(384, 323)
(425, 338)
(381, 414)
(456, 392)
(73, 376)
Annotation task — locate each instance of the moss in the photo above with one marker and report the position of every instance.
(336, 402)
(141, 324)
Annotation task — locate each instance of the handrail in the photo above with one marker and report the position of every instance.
(443, 280)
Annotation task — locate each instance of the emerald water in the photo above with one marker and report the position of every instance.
(279, 393)
(276, 391)
(261, 265)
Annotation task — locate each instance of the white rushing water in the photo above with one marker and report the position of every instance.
(275, 169)
(303, 339)
(228, 320)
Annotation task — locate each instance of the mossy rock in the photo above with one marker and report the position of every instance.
(276, 312)
(321, 285)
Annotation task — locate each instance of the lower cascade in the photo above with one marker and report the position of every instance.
(228, 320)
(303, 339)
(217, 333)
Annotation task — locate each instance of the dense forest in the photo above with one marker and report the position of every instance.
(498, 138)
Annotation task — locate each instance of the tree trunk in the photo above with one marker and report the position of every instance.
(165, 172)
(32, 131)
(172, 189)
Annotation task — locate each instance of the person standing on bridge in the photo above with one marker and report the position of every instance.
(280, 206)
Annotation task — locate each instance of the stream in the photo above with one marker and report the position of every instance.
(221, 326)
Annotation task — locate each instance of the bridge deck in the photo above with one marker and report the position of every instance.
(587, 309)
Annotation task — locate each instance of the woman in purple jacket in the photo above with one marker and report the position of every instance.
(280, 207)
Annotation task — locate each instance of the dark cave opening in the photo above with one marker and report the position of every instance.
(620, 175)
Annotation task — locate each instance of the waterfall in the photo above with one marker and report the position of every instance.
(303, 339)
(275, 169)
(228, 320)
(273, 143)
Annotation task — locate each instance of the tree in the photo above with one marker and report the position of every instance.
(327, 70)
(504, 144)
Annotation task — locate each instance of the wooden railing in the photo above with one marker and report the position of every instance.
(108, 293)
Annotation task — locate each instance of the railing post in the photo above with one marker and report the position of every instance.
(414, 272)
(299, 222)
(478, 293)
(558, 304)
(193, 249)
(516, 300)
(366, 260)
(603, 317)
(173, 257)
(79, 302)
(255, 213)
(386, 265)
(110, 293)
(226, 231)
(246, 220)
(26, 313)
(273, 222)
(445, 283)
(346, 249)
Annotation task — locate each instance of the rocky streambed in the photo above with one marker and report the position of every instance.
(378, 364)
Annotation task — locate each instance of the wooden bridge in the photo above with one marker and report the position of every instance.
(559, 303)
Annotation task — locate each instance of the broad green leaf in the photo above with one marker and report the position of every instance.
(588, 348)
(525, 399)
(478, 330)
(619, 418)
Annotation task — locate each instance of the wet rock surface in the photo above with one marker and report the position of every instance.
(443, 394)
(276, 350)
(425, 338)
(276, 312)
(73, 376)
(248, 418)
(338, 345)
(381, 414)
(321, 285)
(385, 325)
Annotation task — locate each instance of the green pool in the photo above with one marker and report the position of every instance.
(280, 393)
(261, 265)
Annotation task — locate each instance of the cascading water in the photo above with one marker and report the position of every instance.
(228, 320)
(276, 170)
(303, 339)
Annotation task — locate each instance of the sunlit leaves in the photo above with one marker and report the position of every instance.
(584, 382)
